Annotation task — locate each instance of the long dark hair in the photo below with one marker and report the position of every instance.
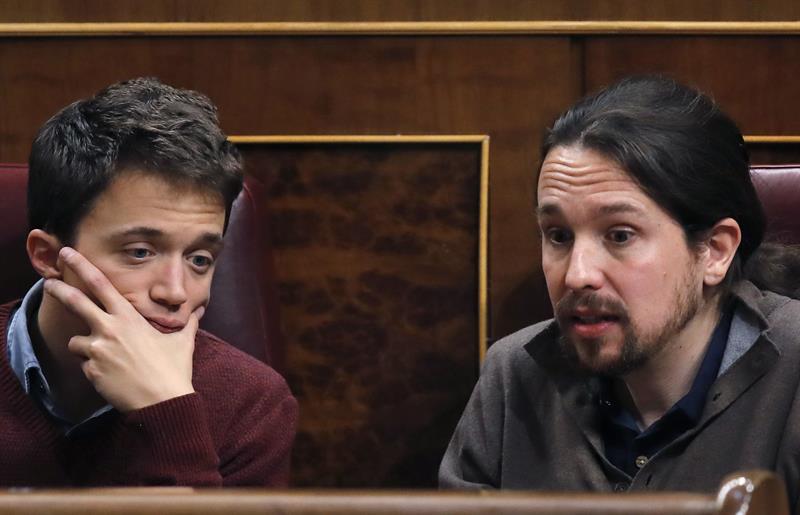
(688, 156)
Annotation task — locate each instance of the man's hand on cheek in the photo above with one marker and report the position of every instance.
(130, 363)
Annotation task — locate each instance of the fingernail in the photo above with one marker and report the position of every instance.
(67, 252)
(200, 312)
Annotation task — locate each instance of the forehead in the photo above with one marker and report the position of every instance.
(573, 176)
(145, 199)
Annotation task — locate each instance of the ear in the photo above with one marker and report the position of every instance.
(43, 250)
(722, 242)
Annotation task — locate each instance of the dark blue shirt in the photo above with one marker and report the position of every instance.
(626, 446)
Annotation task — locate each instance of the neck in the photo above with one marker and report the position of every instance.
(51, 329)
(650, 391)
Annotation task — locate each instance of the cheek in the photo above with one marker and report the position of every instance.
(198, 290)
(650, 289)
(554, 277)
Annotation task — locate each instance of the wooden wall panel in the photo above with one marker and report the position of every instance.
(391, 10)
(774, 154)
(376, 254)
(752, 78)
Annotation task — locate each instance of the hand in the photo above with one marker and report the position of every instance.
(129, 362)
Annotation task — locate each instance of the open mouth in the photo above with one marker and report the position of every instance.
(593, 326)
(595, 319)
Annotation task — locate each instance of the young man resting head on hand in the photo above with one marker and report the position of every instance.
(105, 378)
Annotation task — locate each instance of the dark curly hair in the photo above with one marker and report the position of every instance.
(140, 124)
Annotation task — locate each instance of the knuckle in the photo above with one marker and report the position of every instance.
(90, 370)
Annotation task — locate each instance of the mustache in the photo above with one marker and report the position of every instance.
(566, 307)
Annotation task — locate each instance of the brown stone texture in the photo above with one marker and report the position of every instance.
(376, 254)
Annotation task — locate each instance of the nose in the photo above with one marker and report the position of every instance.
(584, 267)
(169, 287)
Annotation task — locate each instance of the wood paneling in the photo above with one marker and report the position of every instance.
(750, 77)
(376, 249)
(392, 10)
(774, 154)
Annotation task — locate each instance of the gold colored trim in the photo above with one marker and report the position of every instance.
(483, 253)
(483, 209)
(338, 138)
(390, 28)
(771, 139)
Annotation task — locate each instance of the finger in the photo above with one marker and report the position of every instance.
(75, 301)
(96, 282)
(89, 368)
(190, 329)
(81, 346)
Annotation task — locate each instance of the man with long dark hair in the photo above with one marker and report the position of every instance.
(665, 367)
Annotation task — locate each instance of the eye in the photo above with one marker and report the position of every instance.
(557, 236)
(201, 262)
(620, 236)
(139, 253)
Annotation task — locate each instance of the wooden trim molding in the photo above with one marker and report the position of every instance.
(483, 206)
(434, 28)
(771, 140)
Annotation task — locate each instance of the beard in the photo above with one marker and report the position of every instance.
(638, 346)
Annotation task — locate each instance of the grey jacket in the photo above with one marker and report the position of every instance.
(531, 420)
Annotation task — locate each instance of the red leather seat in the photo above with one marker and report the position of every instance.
(244, 307)
(778, 186)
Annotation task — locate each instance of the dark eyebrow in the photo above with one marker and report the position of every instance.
(211, 240)
(147, 232)
(548, 210)
(611, 209)
(619, 207)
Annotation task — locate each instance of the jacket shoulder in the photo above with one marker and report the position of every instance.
(514, 348)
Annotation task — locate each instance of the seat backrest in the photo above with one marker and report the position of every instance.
(244, 306)
(778, 187)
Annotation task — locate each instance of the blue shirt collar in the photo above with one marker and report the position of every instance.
(693, 402)
(23, 360)
(26, 367)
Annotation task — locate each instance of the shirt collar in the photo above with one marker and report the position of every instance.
(693, 402)
(23, 360)
(26, 367)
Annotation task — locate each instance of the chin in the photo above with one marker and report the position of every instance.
(602, 357)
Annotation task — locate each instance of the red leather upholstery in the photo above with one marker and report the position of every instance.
(244, 307)
(778, 187)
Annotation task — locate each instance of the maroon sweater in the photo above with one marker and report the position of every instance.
(236, 430)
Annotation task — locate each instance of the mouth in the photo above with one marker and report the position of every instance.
(165, 326)
(593, 325)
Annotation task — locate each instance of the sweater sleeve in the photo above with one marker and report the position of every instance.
(259, 437)
(173, 443)
(167, 444)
